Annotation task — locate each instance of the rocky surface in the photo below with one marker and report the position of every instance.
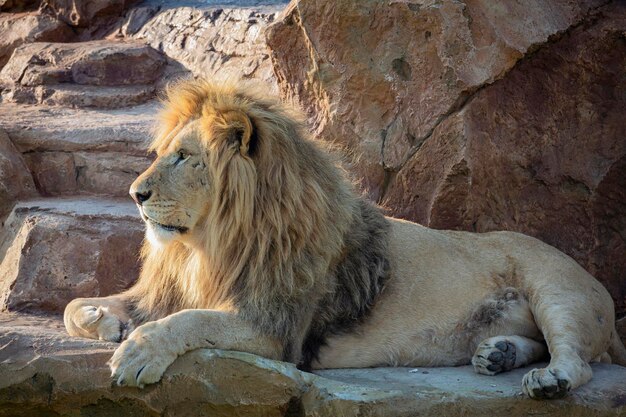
(84, 13)
(18, 5)
(55, 250)
(46, 372)
(20, 28)
(75, 151)
(17, 182)
(467, 116)
(227, 42)
(104, 74)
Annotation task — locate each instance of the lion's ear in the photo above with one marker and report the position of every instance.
(240, 131)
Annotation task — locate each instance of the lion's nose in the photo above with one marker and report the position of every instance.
(140, 198)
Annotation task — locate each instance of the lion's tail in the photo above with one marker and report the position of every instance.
(617, 351)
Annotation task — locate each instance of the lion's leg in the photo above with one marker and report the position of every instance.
(575, 316)
(98, 318)
(152, 347)
(566, 370)
(503, 353)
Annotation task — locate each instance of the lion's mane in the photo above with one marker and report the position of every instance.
(288, 244)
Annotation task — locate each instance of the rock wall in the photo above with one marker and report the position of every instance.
(462, 115)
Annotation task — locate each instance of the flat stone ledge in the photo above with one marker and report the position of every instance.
(46, 129)
(44, 371)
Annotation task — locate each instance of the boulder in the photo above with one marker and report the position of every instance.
(84, 13)
(55, 250)
(105, 74)
(620, 325)
(18, 5)
(533, 154)
(466, 116)
(378, 77)
(71, 151)
(18, 29)
(45, 372)
(211, 42)
(16, 181)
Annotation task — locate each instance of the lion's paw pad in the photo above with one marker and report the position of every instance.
(493, 358)
(546, 383)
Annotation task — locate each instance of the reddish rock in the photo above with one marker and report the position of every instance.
(109, 173)
(40, 129)
(15, 179)
(57, 250)
(18, 5)
(103, 74)
(370, 73)
(220, 42)
(103, 63)
(542, 151)
(620, 325)
(81, 151)
(18, 29)
(83, 13)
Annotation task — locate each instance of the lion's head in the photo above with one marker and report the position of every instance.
(206, 137)
(236, 190)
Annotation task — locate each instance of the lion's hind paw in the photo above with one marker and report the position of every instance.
(546, 383)
(492, 358)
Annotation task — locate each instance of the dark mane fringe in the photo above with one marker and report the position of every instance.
(358, 278)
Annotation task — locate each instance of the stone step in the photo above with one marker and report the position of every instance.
(46, 372)
(82, 74)
(74, 95)
(56, 249)
(80, 151)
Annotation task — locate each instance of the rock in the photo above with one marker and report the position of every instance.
(531, 154)
(18, 5)
(105, 74)
(377, 77)
(227, 43)
(40, 129)
(620, 325)
(55, 250)
(84, 13)
(18, 29)
(89, 96)
(46, 372)
(15, 179)
(451, 128)
(78, 151)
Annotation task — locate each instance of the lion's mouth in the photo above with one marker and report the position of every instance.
(166, 227)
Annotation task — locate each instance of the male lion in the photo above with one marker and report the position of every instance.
(256, 242)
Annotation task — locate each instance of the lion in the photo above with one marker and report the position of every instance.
(256, 241)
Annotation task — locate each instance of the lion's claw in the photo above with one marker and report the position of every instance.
(143, 358)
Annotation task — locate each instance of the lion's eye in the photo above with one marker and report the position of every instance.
(182, 157)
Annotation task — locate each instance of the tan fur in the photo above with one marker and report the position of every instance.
(274, 254)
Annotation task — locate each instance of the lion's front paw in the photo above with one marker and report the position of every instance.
(100, 323)
(144, 357)
(493, 357)
(546, 383)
